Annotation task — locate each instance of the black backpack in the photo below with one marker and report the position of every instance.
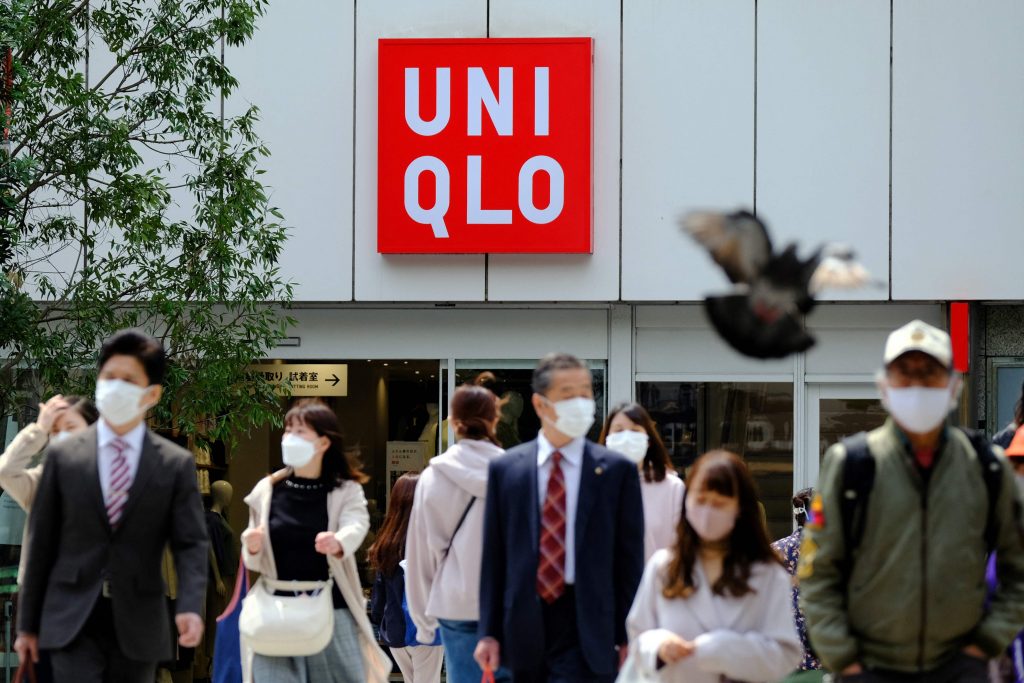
(859, 478)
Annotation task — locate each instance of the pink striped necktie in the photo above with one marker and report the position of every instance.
(120, 480)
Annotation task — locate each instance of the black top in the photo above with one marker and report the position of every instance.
(298, 512)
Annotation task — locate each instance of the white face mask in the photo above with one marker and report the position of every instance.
(296, 451)
(918, 410)
(575, 416)
(60, 436)
(119, 402)
(631, 444)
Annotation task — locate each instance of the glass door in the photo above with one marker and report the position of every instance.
(835, 411)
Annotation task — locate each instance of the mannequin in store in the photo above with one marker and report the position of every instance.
(429, 433)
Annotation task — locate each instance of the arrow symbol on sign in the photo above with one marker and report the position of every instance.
(334, 379)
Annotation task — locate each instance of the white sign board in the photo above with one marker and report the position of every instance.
(306, 379)
(404, 456)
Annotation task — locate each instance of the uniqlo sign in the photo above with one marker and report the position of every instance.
(485, 145)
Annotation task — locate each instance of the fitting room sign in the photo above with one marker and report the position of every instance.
(485, 145)
(305, 379)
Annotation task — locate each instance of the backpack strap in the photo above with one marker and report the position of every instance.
(858, 480)
(992, 474)
(458, 526)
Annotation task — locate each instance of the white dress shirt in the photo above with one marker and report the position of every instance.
(572, 470)
(106, 453)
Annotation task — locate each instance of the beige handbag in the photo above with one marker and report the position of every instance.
(298, 624)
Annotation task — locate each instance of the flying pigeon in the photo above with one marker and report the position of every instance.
(762, 316)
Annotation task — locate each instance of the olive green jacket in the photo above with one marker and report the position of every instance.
(916, 591)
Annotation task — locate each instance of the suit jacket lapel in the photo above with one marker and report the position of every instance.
(91, 463)
(585, 503)
(147, 465)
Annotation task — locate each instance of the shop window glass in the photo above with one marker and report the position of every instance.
(752, 419)
(839, 418)
(510, 381)
(1006, 377)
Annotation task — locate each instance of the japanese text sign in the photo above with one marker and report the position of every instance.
(485, 145)
(305, 379)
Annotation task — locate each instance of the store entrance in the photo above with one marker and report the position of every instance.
(834, 412)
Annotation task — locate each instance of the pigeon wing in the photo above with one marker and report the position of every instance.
(738, 242)
(838, 269)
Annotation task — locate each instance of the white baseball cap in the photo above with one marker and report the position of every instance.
(918, 335)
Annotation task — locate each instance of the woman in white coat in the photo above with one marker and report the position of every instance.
(629, 430)
(444, 544)
(717, 605)
(304, 520)
(59, 418)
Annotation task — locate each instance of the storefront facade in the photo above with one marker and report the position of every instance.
(891, 126)
(404, 361)
(835, 123)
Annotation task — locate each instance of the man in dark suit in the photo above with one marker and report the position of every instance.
(563, 542)
(109, 501)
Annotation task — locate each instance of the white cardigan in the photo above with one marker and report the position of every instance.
(663, 506)
(752, 638)
(21, 481)
(348, 518)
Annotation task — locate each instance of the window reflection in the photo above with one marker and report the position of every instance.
(839, 418)
(752, 419)
(519, 422)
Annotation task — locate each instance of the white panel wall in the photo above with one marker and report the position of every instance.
(404, 277)
(688, 136)
(577, 277)
(679, 340)
(507, 333)
(851, 338)
(958, 149)
(823, 128)
(298, 70)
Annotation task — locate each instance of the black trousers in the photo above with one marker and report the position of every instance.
(95, 657)
(961, 669)
(563, 656)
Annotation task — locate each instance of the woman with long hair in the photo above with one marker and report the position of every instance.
(418, 663)
(446, 535)
(629, 430)
(305, 524)
(717, 605)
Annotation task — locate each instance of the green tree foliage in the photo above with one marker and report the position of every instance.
(129, 199)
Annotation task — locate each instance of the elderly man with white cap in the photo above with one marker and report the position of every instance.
(892, 569)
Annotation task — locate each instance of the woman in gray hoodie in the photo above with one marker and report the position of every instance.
(445, 537)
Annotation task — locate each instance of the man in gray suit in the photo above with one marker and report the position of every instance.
(109, 501)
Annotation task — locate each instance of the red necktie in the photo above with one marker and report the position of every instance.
(120, 479)
(551, 567)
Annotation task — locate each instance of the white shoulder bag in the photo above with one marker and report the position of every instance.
(298, 624)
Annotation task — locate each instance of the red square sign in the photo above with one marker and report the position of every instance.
(485, 145)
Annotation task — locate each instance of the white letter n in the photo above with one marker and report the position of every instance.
(480, 95)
